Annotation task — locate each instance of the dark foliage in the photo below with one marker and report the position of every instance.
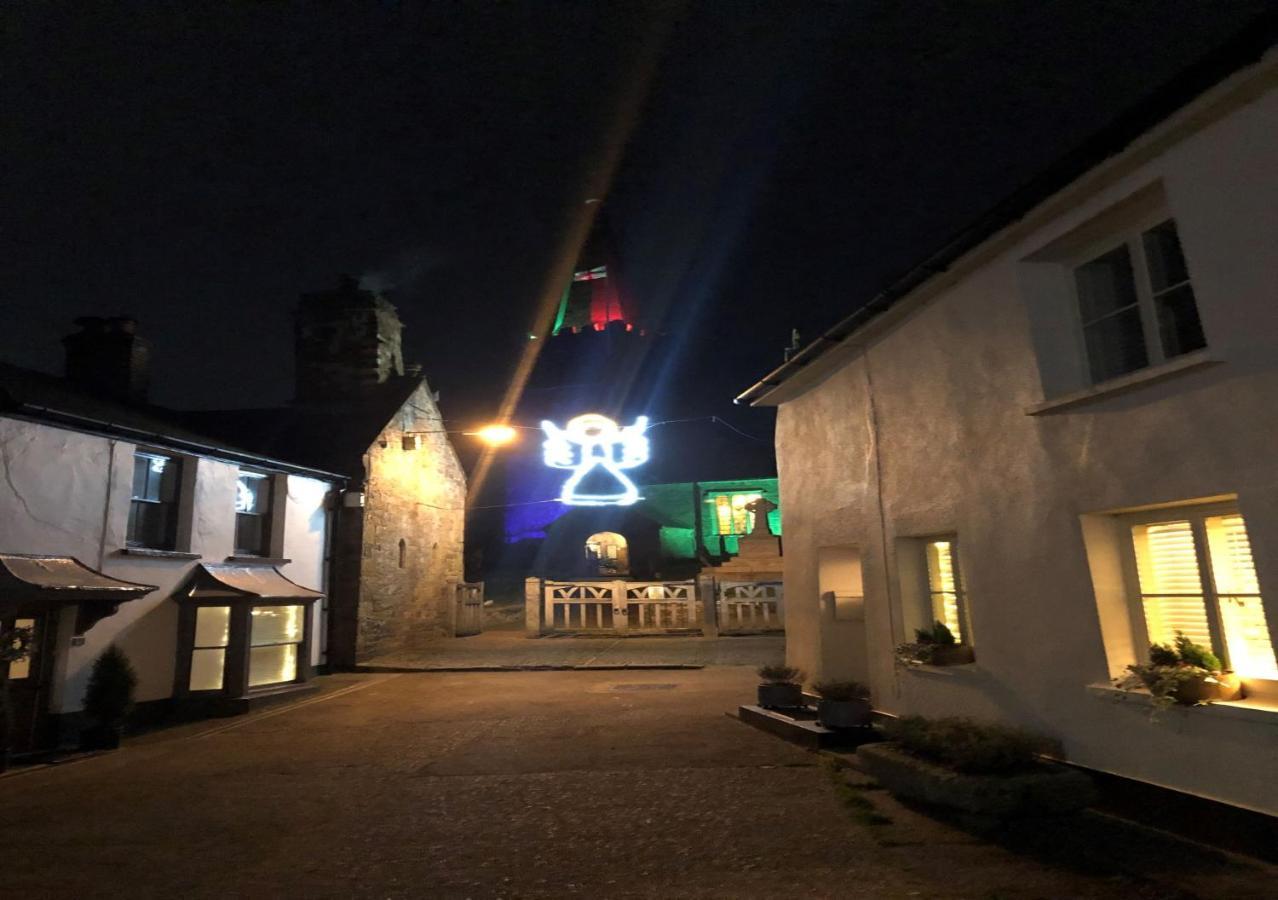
(972, 747)
(109, 696)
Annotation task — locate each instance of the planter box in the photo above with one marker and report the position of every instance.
(1049, 791)
(780, 696)
(958, 655)
(1225, 686)
(844, 713)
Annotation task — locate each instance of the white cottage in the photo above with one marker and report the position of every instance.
(1057, 436)
(205, 564)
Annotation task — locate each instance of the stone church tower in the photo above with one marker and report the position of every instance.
(346, 341)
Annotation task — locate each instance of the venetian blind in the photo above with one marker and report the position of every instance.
(1171, 589)
(1251, 654)
(943, 586)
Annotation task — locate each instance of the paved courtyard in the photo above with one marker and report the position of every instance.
(509, 648)
(529, 784)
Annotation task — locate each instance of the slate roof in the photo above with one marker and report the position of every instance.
(46, 398)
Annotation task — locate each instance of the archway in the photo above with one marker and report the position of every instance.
(608, 553)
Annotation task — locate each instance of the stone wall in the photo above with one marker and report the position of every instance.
(413, 517)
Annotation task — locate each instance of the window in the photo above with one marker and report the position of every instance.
(276, 634)
(731, 515)
(1196, 575)
(208, 653)
(1136, 304)
(944, 585)
(253, 514)
(153, 512)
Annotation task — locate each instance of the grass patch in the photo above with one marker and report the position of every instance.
(853, 798)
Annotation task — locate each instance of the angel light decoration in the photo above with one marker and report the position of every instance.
(597, 449)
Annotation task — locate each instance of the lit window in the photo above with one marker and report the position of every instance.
(208, 653)
(1197, 576)
(20, 669)
(1136, 304)
(252, 514)
(153, 511)
(731, 515)
(945, 586)
(275, 638)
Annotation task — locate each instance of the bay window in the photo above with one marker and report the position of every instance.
(275, 637)
(1196, 575)
(208, 650)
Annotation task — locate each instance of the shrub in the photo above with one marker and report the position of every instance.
(109, 696)
(938, 634)
(841, 691)
(978, 748)
(1192, 654)
(781, 674)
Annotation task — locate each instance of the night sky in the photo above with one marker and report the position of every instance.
(200, 165)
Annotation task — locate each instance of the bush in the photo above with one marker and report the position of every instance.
(1192, 654)
(938, 634)
(977, 748)
(781, 674)
(841, 691)
(109, 696)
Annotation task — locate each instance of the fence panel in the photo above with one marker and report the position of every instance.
(469, 603)
(751, 605)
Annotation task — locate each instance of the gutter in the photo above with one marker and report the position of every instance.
(102, 427)
(1247, 48)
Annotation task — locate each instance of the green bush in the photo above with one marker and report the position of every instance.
(1163, 655)
(1192, 654)
(978, 748)
(841, 691)
(109, 696)
(781, 674)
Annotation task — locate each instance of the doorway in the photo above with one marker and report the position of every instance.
(608, 553)
(28, 683)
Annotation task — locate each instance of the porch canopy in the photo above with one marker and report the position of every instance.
(32, 584)
(262, 584)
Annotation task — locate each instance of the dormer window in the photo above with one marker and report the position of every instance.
(1136, 304)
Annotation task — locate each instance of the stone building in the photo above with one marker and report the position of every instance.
(1055, 436)
(359, 411)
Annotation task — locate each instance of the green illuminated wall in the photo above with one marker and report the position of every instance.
(675, 508)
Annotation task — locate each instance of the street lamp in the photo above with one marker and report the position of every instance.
(495, 435)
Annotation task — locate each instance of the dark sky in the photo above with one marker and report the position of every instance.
(200, 165)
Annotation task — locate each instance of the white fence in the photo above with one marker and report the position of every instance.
(619, 605)
(654, 606)
(751, 605)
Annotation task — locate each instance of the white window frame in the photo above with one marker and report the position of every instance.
(1197, 515)
(1131, 237)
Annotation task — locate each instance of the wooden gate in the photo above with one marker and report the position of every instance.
(619, 606)
(751, 605)
(468, 609)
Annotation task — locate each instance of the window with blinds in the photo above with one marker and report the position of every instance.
(1197, 576)
(944, 586)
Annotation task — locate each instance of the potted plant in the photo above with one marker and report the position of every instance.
(781, 687)
(935, 646)
(984, 771)
(843, 704)
(1182, 674)
(108, 699)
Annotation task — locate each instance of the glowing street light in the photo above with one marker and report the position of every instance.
(496, 435)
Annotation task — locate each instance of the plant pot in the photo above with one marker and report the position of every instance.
(1225, 686)
(844, 713)
(780, 696)
(100, 737)
(958, 655)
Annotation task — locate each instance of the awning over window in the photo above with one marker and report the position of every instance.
(36, 584)
(225, 580)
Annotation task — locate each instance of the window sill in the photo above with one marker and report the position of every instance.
(1132, 380)
(259, 560)
(945, 671)
(1249, 709)
(151, 553)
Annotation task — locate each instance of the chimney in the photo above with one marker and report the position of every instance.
(106, 357)
(346, 341)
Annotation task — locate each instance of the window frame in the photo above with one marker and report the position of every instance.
(1197, 515)
(960, 585)
(265, 519)
(169, 541)
(748, 525)
(1131, 236)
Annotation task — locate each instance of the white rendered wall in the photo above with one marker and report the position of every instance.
(68, 494)
(957, 452)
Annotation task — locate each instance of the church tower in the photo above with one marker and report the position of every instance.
(347, 340)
